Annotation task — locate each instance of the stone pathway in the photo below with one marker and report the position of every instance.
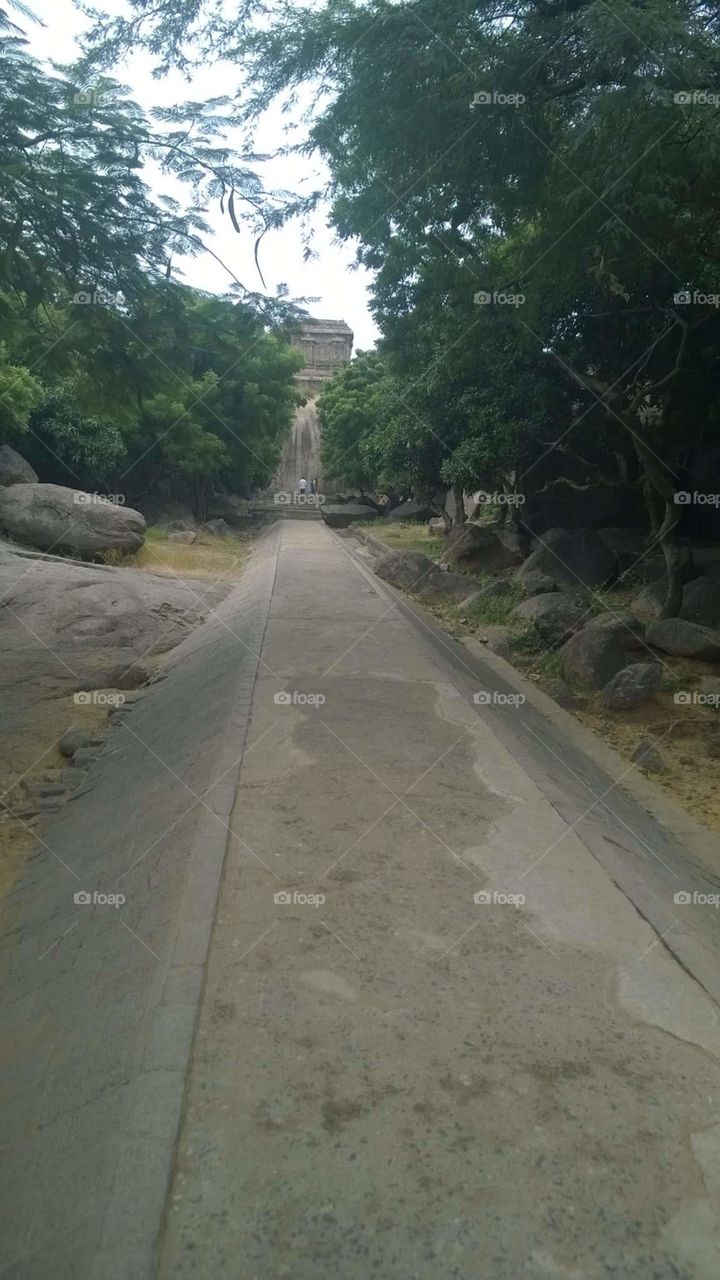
(436, 1039)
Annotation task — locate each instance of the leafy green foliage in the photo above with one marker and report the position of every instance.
(19, 393)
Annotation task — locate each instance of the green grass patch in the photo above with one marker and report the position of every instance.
(406, 535)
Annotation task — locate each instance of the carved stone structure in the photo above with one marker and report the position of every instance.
(327, 346)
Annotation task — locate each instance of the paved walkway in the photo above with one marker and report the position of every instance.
(436, 1040)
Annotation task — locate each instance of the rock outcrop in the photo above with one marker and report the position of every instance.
(14, 469)
(54, 518)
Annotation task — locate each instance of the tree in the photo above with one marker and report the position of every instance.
(348, 408)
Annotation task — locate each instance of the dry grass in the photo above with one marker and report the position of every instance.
(29, 756)
(220, 559)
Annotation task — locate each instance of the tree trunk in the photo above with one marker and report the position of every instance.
(459, 500)
(673, 562)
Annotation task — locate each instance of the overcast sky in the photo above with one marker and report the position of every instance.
(342, 292)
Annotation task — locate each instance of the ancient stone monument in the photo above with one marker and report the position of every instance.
(327, 346)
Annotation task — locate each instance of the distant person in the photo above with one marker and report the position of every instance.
(302, 485)
(313, 487)
(316, 486)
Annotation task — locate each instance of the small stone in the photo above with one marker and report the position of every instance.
(647, 756)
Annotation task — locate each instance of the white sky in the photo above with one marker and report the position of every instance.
(342, 292)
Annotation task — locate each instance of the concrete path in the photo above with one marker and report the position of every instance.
(441, 1036)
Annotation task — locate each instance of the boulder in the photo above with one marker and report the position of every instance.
(701, 602)
(405, 569)
(554, 615)
(412, 571)
(648, 603)
(497, 589)
(186, 536)
(537, 584)
(436, 525)
(219, 527)
(629, 629)
(340, 515)
(629, 545)
(561, 693)
(411, 510)
(14, 469)
(593, 656)
(632, 685)
(443, 582)
(685, 639)
(497, 639)
(54, 518)
(364, 500)
(647, 756)
(484, 550)
(573, 557)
